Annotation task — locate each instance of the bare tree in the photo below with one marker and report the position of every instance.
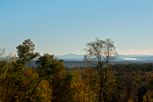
(102, 51)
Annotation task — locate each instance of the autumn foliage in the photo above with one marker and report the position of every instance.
(48, 80)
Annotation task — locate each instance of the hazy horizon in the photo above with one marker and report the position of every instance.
(63, 27)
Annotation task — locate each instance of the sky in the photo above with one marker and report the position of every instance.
(65, 26)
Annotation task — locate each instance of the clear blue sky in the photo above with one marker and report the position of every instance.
(65, 26)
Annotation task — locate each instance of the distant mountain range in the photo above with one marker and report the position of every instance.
(74, 60)
(71, 57)
(134, 58)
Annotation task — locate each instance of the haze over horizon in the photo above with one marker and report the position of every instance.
(65, 26)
